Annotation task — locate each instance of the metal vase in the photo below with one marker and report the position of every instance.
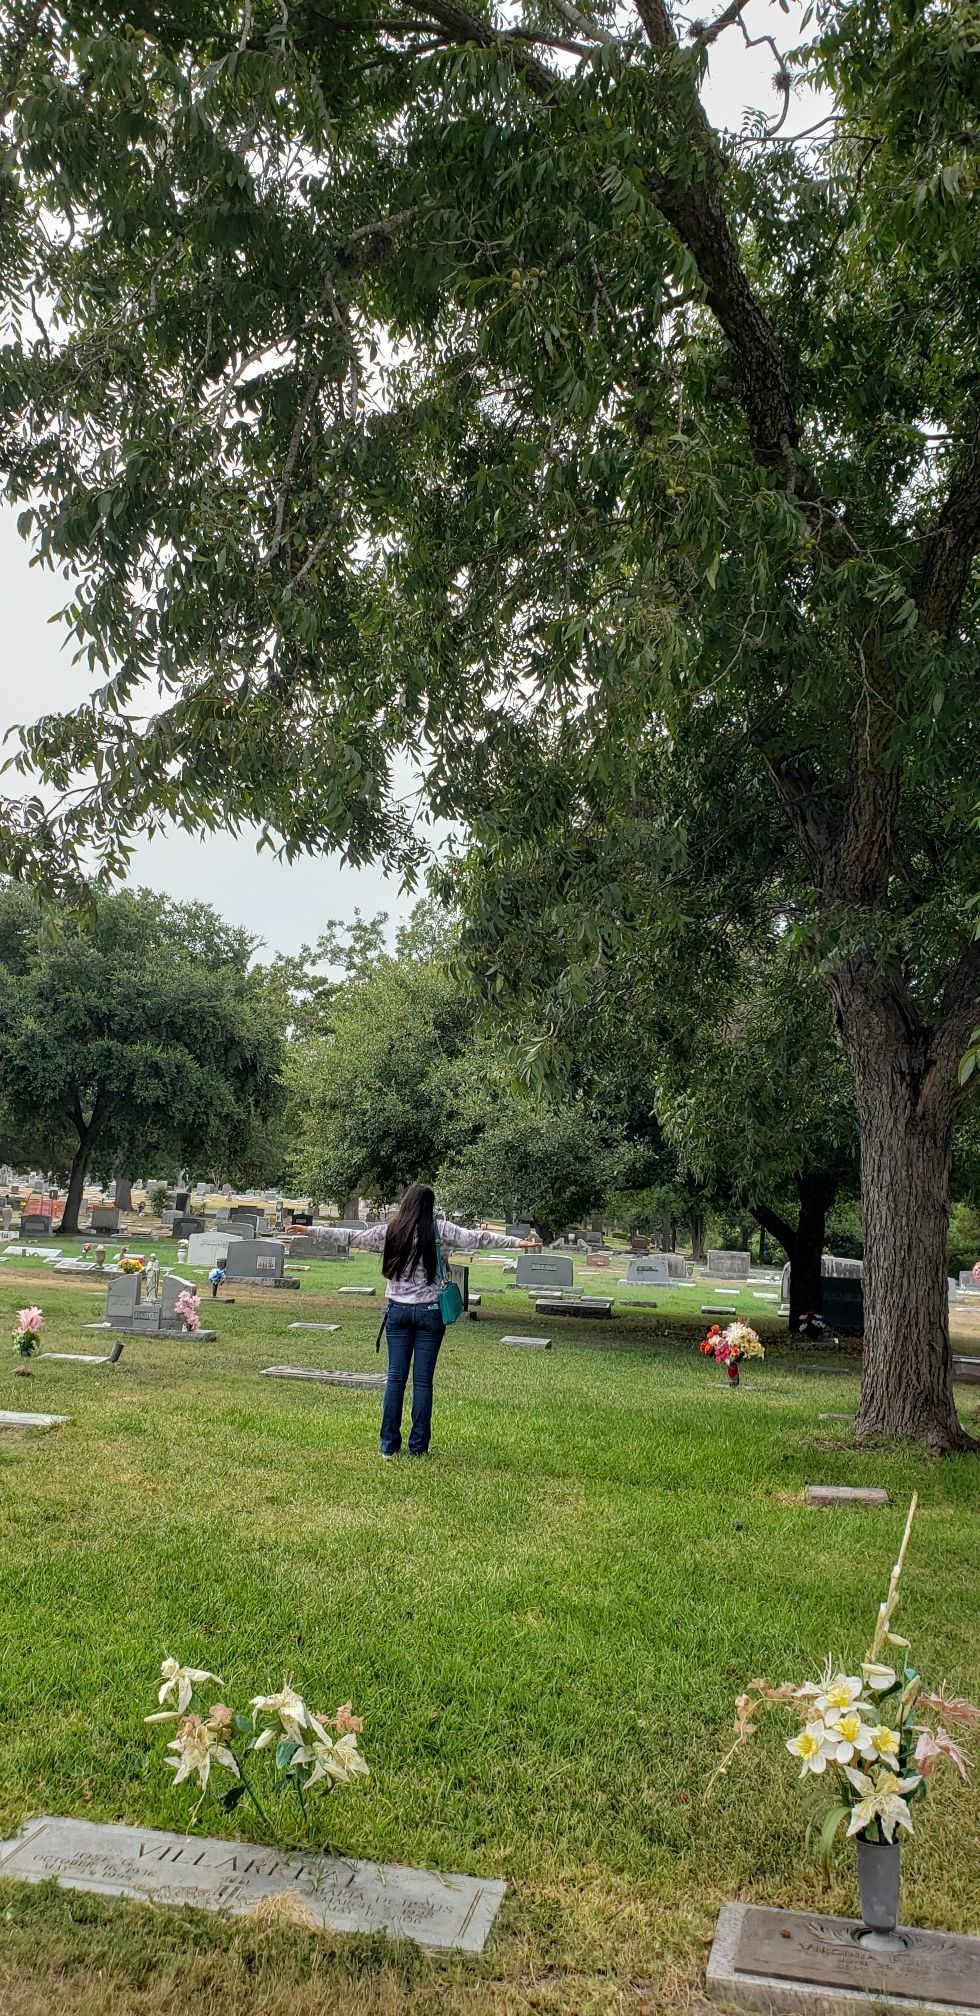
(879, 1874)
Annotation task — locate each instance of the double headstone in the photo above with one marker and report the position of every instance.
(545, 1270)
(727, 1266)
(210, 1249)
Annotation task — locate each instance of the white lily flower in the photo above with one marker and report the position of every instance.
(291, 1709)
(838, 1696)
(878, 1678)
(883, 1802)
(346, 1749)
(339, 1761)
(811, 1746)
(180, 1681)
(197, 1749)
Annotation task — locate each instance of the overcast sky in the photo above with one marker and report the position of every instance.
(285, 905)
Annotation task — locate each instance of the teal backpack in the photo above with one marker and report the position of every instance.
(450, 1299)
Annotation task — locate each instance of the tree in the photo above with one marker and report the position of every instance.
(138, 1033)
(684, 444)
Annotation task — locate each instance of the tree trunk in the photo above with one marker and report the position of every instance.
(668, 1232)
(697, 1235)
(76, 1184)
(803, 1247)
(908, 1096)
(122, 1195)
(907, 1384)
(763, 1246)
(816, 1192)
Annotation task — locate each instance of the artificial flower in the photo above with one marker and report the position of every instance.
(850, 1737)
(838, 1695)
(345, 1722)
(884, 1743)
(291, 1709)
(952, 1707)
(180, 1681)
(882, 1801)
(197, 1748)
(811, 1746)
(936, 1743)
(878, 1678)
(221, 1719)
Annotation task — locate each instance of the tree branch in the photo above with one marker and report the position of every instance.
(952, 547)
(697, 213)
(770, 1220)
(959, 1011)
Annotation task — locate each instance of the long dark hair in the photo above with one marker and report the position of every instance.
(411, 1235)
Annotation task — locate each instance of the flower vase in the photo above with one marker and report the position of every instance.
(879, 1875)
(733, 1374)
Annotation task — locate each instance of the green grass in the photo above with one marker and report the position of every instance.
(545, 1627)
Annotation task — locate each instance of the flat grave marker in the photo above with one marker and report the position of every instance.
(583, 1305)
(808, 1964)
(719, 1309)
(966, 1371)
(313, 1326)
(828, 1495)
(448, 1913)
(373, 1381)
(837, 1417)
(357, 1290)
(12, 1420)
(528, 1343)
(86, 1357)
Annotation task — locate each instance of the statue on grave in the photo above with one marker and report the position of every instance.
(150, 1279)
(100, 1256)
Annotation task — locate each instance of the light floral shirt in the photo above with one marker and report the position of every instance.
(416, 1287)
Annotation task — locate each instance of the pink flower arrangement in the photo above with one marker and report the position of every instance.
(188, 1306)
(30, 1323)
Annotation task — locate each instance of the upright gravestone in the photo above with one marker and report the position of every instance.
(105, 1218)
(259, 1262)
(651, 1272)
(545, 1270)
(34, 1225)
(728, 1266)
(518, 1231)
(205, 1249)
(246, 1211)
(122, 1299)
(184, 1225)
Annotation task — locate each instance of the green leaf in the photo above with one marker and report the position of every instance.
(286, 1750)
(242, 1723)
(229, 1800)
(827, 1836)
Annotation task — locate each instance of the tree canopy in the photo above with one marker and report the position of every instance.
(140, 1034)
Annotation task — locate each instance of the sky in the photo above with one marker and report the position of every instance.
(287, 905)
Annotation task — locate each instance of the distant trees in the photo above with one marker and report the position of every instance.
(136, 1032)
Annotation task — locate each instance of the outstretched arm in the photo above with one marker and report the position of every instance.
(463, 1239)
(366, 1238)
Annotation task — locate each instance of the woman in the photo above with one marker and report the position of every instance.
(413, 1325)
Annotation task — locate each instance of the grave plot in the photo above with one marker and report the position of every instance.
(770, 1960)
(447, 1913)
(369, 1381)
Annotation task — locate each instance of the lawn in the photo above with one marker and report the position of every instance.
(544, 1626)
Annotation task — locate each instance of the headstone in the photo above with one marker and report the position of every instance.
(840, 1267)
(968, 1285)
(10, 1420)
(844, 1494)
(327, 1245)
(727, 1266)
(105, 1218)
(255, 1260)
(518, 1231)
(842, 1300)
(528, 1343)
(719, 1309)
(966, 1371)
(447, 1913)
(300, 1217)
(122, 1298)
(639, 1244)
(597, 1260)
(248, 1212)
(766, 1295)
(545, 1270)
(582, 1305)
(358, 1290)
(649, 1272)
(373, 1381)
(182, 1200)
(805, 1963)
(34, 1225)
(183, 1226)
(205, 1249)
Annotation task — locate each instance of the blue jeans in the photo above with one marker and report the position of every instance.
(414, 1330)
